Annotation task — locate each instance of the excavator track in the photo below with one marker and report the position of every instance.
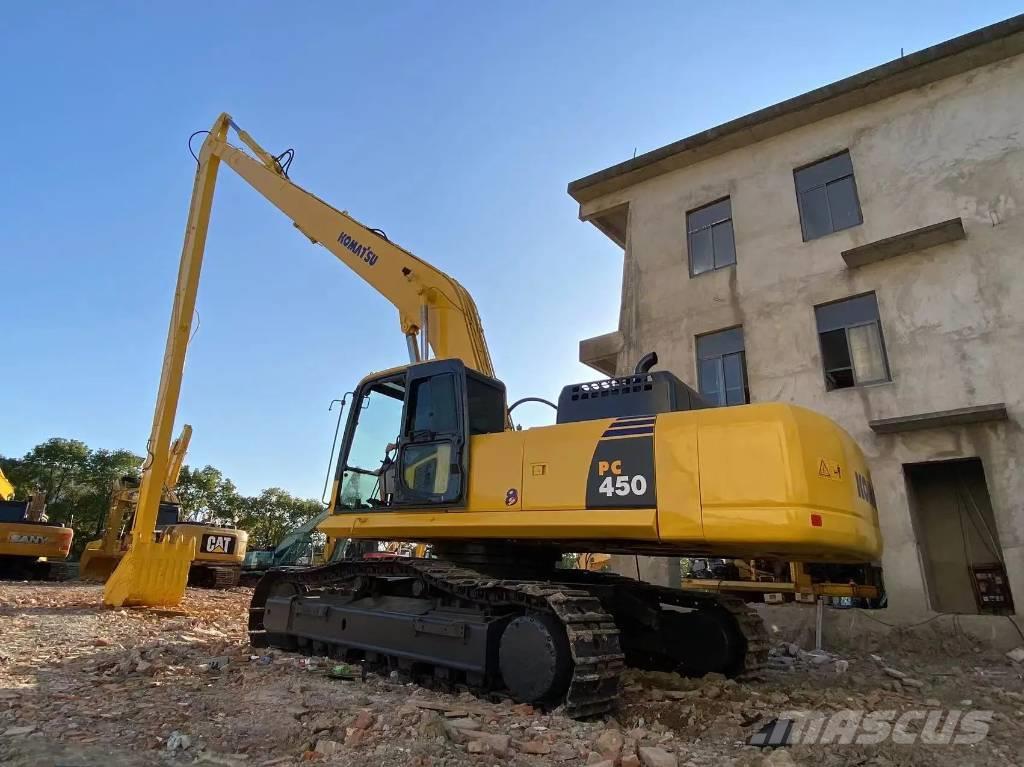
(62, 571)
(28, 569)
(598, 612)
(742, 625)
(596, 661)
(214, 577)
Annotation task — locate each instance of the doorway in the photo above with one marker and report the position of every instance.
(957, 536)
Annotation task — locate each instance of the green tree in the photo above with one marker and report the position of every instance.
(270, 515)
(78, 482)
(103, 468)
(55, 467)
(206, 495)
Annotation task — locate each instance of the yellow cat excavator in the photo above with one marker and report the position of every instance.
(31, 548)
(219, 550)
(635, 464)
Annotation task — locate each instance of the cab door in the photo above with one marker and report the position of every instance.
(431, 467)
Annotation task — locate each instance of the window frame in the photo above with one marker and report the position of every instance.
(877, 321)
(852, 175)
(720, 361)
(357, 408)
(710, 228)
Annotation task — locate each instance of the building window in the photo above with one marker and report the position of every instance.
(852, 349)
(722, 367)
(709, 237)
(827, 196)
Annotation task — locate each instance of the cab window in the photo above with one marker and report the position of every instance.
(432, 406)
(486, 403)
(433, 419)
(379, 422)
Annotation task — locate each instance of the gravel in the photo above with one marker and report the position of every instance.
(86, 686)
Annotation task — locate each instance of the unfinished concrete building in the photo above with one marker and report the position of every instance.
(858, 250)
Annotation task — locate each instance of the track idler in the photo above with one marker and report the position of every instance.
(535, 659)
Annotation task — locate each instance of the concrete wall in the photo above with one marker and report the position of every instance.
(951, 316)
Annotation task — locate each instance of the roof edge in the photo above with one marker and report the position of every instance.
(756, 126)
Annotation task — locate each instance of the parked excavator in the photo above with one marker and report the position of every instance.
(219, 551)
(298, 549)
(295, 549)
(31, 547)
(634, 464)
(592, 560)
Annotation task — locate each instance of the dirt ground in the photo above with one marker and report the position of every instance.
(84, 686)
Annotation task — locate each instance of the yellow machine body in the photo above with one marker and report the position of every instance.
(765, 480)
(35, 539)
(761, 480)
(213, 546)
(6, 488)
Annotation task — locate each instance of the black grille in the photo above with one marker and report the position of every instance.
(640, 394)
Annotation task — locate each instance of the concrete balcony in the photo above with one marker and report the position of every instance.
(907, 242)
(602, 352)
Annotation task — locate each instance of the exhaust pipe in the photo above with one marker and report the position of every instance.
(645, 364)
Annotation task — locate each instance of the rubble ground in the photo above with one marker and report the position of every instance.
(82, 685)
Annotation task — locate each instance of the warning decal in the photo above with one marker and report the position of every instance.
(829, 470)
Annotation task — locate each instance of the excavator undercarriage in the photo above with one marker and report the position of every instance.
(557, 636)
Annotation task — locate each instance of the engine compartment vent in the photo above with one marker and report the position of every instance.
(639, 394)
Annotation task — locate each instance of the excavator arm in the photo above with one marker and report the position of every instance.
(6, 488)
(433, 308)
(177, 459)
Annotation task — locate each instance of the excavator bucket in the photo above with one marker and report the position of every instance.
(96, 565)
(151, 573)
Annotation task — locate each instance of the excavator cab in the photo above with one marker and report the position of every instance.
(407, 437)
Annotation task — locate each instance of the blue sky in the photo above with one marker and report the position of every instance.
(454, 126)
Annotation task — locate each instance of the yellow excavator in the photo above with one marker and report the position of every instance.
(635, 464)
(219, 550)
(31, 548)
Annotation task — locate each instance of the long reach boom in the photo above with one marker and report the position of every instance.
(435, 313)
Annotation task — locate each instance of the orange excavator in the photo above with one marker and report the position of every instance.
(31, 548)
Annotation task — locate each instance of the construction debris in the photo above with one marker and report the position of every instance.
(89, 686)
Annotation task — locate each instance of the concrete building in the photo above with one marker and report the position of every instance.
(858, 250)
